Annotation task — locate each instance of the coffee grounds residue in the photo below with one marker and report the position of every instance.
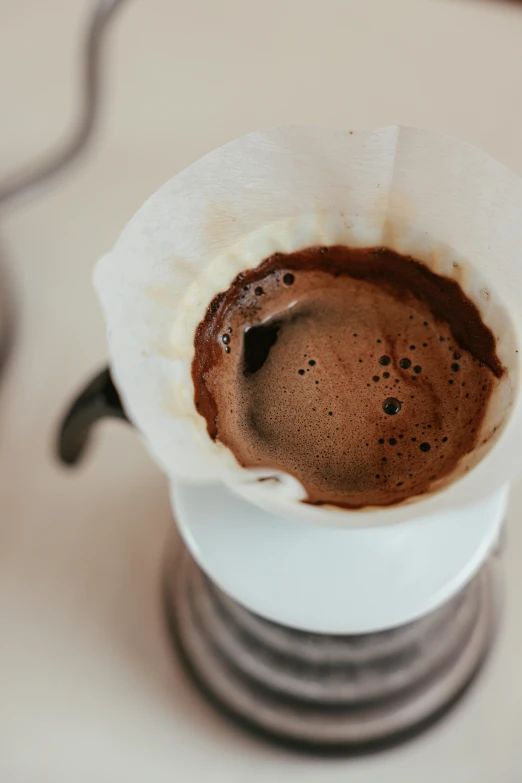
(298, 386)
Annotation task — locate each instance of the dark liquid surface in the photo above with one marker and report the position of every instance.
(359, 372)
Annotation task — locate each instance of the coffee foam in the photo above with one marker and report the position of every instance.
(419, 193)
(355, 385)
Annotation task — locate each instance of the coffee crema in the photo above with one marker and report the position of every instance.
(360, 372)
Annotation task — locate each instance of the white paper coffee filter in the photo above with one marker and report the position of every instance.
(283, 189)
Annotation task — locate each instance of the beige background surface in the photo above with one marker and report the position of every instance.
(88, 689)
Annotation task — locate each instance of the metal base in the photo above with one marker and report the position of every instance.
(329, 692)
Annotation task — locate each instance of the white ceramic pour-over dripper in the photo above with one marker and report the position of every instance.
(419, 193)
(332, 580)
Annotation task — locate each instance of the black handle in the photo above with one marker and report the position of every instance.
(99, 400)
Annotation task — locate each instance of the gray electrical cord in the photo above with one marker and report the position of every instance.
(29, 179)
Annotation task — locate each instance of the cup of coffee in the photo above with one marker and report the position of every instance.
(326, 321)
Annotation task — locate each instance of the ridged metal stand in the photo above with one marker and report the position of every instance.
(329, 692)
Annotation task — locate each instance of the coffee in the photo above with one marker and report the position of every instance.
(360, 372)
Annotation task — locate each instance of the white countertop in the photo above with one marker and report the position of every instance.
(89, 689)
